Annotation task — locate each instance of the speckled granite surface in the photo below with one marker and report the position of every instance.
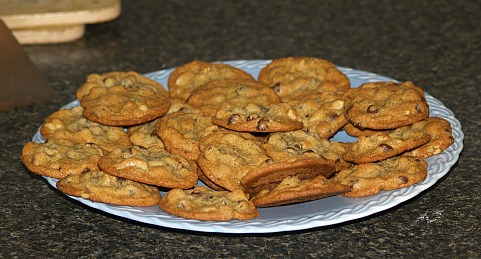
(436, 44)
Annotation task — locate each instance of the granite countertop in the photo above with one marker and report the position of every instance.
(435, 44)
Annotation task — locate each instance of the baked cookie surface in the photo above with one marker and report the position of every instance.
(323, 112)
(71, 124)
(226, 157)
(297, 75)
(123, 99)
(202, 203)
(186, 78)
(441, 137)
(390, 174)
(383, 145)
(182, 131)
(218, 94)
(258, 118)
(101, 187)
(292, 190)
(150, 166)
(387, 105)
(59, 158)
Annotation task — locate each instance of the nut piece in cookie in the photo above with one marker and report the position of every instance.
(101, 187)
(293, 76)
(218, 94)
(202, 203)
(292, 190)
(185, 79)
(58, 158)
(323, 113)
(386, 105)
(71, 124)
(150, 166)
(227, 156)
(390, 174)
(387, 144)
(258, 118)
(441, 137)
(123, 99)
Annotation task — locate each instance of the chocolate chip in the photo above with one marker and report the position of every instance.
(418, 108)
(233, 119)
(333, 117)
(86, 170)
(263, 124)
(372, 109)
(386, 147)
(403, 178)
(276, 87)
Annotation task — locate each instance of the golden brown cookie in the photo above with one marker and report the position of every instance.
(271, 174)
(71, 124)
(323, 113)
(202, 203)
(292, 190)
(101, 187)
(380, 146)
(387, 105)
(294, 145)
(226, 157)
(218, 94)
(58, 158)
(123, 99)
(292, 76)
(441, 137)
(258, 118)
(185, 79)
(393, 173)
(182, 131)
(150, 166)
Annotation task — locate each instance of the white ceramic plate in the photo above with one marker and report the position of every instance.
(306, 215)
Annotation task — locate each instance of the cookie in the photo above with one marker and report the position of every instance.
(297, 75)
(323, 113)
(384, 145)
(185, 79)
(271, 174)
(101, 187)
(71, 124)
(387, 105)
(153, 167)
(226, 157)
(441, 137)
(59, 158)
(144, 135)
(393, 173)
(292, 190)
(218, 94)
(123, 99)
(294, 145)
(182, 131)
(258, 118)
(201, 203)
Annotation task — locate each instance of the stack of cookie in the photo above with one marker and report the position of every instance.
(251, 142)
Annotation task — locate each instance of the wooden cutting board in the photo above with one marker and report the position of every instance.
(55, 21)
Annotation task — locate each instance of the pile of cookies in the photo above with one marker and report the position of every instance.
(251, 142)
